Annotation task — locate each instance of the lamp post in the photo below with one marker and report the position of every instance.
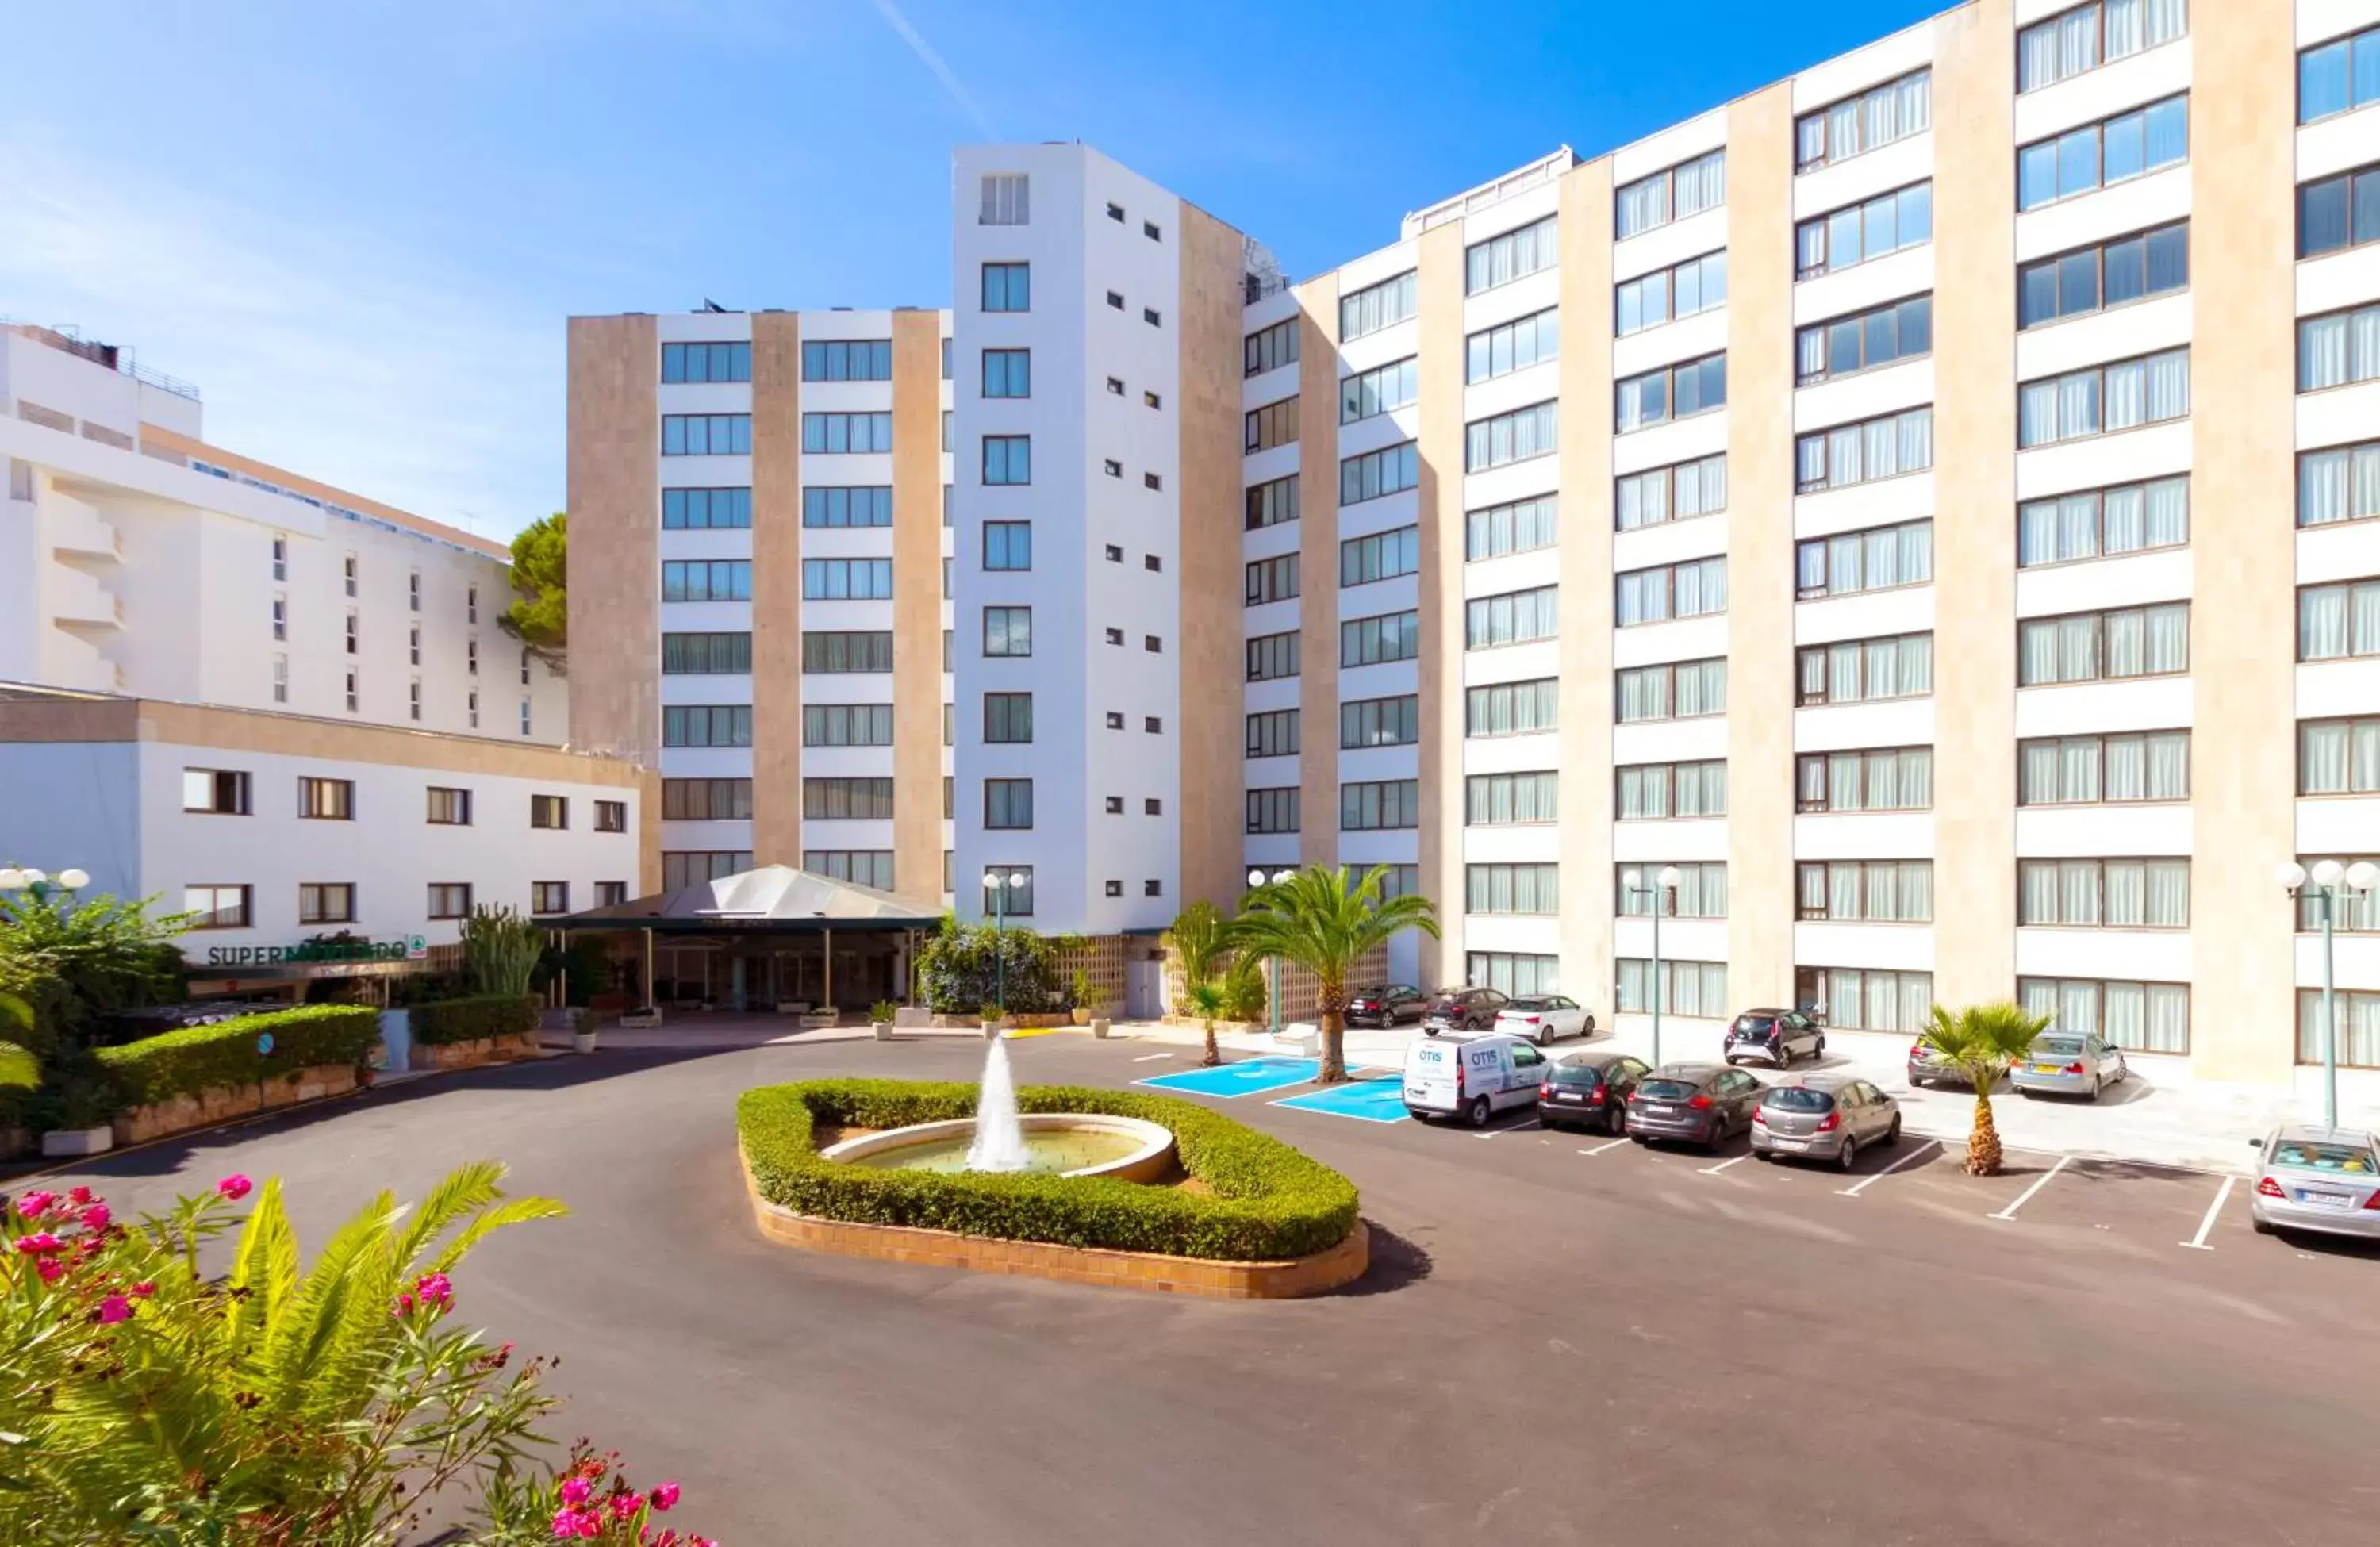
(17, 879)
(1663, 893)
(1272, 964)
(2330, 882)
(998, 886)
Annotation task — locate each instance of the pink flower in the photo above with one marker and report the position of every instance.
(568, 1523)
(435, 1290)
(575, 1490)
(34, 1204)
(39, 1245)
(79, 1196)
(234, 1187)
(145, 1288)
(95, 1218)
(665, 1496)
(51, 1270)
(114, 1309)
(624, 1506)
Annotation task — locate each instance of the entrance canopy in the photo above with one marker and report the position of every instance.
(775, 899)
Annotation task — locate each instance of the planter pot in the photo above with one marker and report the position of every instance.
(991, 1031)
(1082, 1016)
(1099, 1028)
(78, 1142)
(584, 1041)
(883, 1030)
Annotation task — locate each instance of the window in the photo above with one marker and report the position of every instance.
(847, 724)
(611, 816)
(1511, 708)
(326, 800)
(1008, 544)
(2100, 155)
(1269, 349)
(1274, 809)
(450, 900)
(2356, 1018)
(1394, 386)
(1514, 255)
(2339, 484)
(1508, 888)
(1272, 579)
(1115, 213)
(1115, 720)
(281, 617)
(863, 799)
(2340, 75)
(1007, 198)
(1671, 493)
(2138, 1018)
(1112, 468)
(1379, 805)
(1522, 527)
(832, 507)
(2337, 350)
(281, 679)
(2100, 647)
(1865, 999)
(1008, 631)
(1273, 656)
(524, 717)
(347, 570)
(836, 433)
(1879, 779)
(1008, 372)
(1272, 733)
(706, 800)
(1696, 286)
(1274, 424)
(1863, 341)
(326, 902)
(1148, 228)
(2101, 522)
(1151, 400)
(1510, 973)
(1515, 618)
(1380, 722)
(2337, 622)
(549, 812)
(1512, 799)
(1682, 690)
(1858, 232)
(280, 558)
(449, 807)
(548, 896)
(2096, 770)
(1007, 459)
(1370, 641)
(854, 580)
(1509, 437)
(1695, 589)
(1008, 287)
(1007, 803)
(2358, 912)
(1879, 558)
(1685, 190)
(1867, 892)
(1382, 556)
(220, 791)
(847, 360)
(1152, 644)
(1682, 987)
(1863, 671)
(861, 650)
(1116, 299)
(2088, 36)
(707, 362)
(2339, 213)
(1876, 118)
(472, 605)
(706, 434)
(1863, 453)
(355, 693)
(683, 868)
(706, 581)
(1378, 305)
(1007, 717)
(1151, 563)
(706, 725)
(611, 893)
(354, 634)
(1656, 791)
(704, 654)
(1514, 346)
(413, 592)
(1673, 391)
(1376, 473)
(2104, 893)
(860, 867)
(1701, 892)
(2113, 274)
(1152, 724)
(216, 908)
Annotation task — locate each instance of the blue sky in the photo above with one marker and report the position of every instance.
(360, 226)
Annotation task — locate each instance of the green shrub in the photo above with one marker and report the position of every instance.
(961, 966)
(469, 1020)
(201, 1058)
(20, 1070)
(1267, 1200)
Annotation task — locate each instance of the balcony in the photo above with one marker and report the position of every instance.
(79, 600)
(76, 532)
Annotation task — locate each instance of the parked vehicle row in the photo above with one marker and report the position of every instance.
(2059, 1064)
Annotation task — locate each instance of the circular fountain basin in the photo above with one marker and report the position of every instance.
(1056, 1144)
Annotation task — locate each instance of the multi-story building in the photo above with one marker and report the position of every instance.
(759, 585)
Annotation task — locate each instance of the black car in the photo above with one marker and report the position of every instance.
(1701, 1104)
(1387, 1005)
(1777, 1036)
(1464, 1010)
(1589, 1090)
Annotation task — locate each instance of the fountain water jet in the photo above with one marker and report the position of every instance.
(999, 1135)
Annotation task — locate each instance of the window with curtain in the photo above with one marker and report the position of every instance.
(1513, 255)
(1512, 799)
(1265, 427)
(848, 651)
(1378, 390)
(1511, 708)
(2104, 770)
(1878, 117)
(2339, 76)
(1672, 494)
(2112, 273)
(1378, 305)
(1857, 233)
(1863, 341)
(1673, 391)
(1686, 290)
(2104, 399)
(2095, 647)
(2102, 155)
(1271, 503)
(1701, 892)
(1863, 671)
(1271, 734)
(1864, 452)
(1512, 888)
(1673, 194)
(1695, 589)
(1380, 556)
(847, 724)
(1682, 690)
(1269, 579)
(1879, 558)
(1682, 987)
(1867, 891)
(1877, 779)
(2341, 483)
(697, 725)
(700, 509)
(864, 799)
(706, 581)
(833, 507)
(707, 362)
(2096, 523)
(838, 433)
(1861, 999)
(1369, 641)
(706, 800)
(2340, 349)
(1510, 437)
(2138, 1018)
(707, 434)
(2355, 912)
(1511, 972)
(1658, 791)
(2338, 757)
(856, 580)
(1514, 346)
(1522, 527)
(845, 359)
(1269, 349)
(1515, 618)
(706, 653)
(2072, 42)
(2355, 1020)
(2337, 622)
(2104, 893)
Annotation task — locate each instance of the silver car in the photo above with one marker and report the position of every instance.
(2318, 1179)
(1824, 1116)
(2068, 1064)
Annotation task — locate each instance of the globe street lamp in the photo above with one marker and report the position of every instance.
(1272, 964)
(2327, 885)
(19, 879)
(999, 886)
(1664, 895)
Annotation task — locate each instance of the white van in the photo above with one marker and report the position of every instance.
(1475, 1077)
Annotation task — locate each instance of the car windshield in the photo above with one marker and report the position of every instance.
(1580, 1075)
(1759, 1025)
(2306, 1154)
(1667, 1089)
(2062, 1047)
(1796, 1098)
(1524, 1005)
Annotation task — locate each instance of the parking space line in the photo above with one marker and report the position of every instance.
(2198, 1242)
(1715, 1170)
(1517, 1127)
(1600, 1148)
(1910, 1159)
(1150, 1057)
(2010, 1213)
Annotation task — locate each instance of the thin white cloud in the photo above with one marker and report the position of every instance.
(934, 62)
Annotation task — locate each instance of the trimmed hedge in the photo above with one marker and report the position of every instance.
(469, 1020)
(1267, 1200)
(201, 1058)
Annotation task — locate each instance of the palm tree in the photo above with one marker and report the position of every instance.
(1983, 1040)
(1324, 921)
(1204, 999)
(1200, 935)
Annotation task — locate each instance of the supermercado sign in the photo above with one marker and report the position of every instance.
(411, 948)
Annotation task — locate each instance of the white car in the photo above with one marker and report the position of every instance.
(1543, 1017)
(1473, 1077)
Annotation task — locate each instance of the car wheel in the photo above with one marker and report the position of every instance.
(1478, 1112)
(2097, 1085)
(1715, 1140)
(1848, 1153)
(2262, 1228)
(1637, 1136)
(1893, 1134)
(1762, 1156)
(1616, 1123)
(1818, 1048)
(1429, 1031)
(1587, 1026)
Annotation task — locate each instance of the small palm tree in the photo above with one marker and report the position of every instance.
(1199, 935)
(1324, 921)
(1983, 1040)
(1205, 999)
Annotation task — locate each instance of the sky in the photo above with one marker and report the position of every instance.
(360, 226)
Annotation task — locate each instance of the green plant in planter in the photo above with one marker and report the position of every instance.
(992, 1013)
(882, 1012)
(501, 950)
(1243, 989)
(1081, 989)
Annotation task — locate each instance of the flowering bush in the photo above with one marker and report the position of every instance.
(142, 1397)
(590, 1500)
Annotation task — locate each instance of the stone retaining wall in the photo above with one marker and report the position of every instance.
(471, 1055)
(223, 1102)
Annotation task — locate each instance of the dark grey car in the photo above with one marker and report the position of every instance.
(1824, 1116)
(1700, 1103)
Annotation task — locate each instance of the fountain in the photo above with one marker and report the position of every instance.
(998, 1139)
